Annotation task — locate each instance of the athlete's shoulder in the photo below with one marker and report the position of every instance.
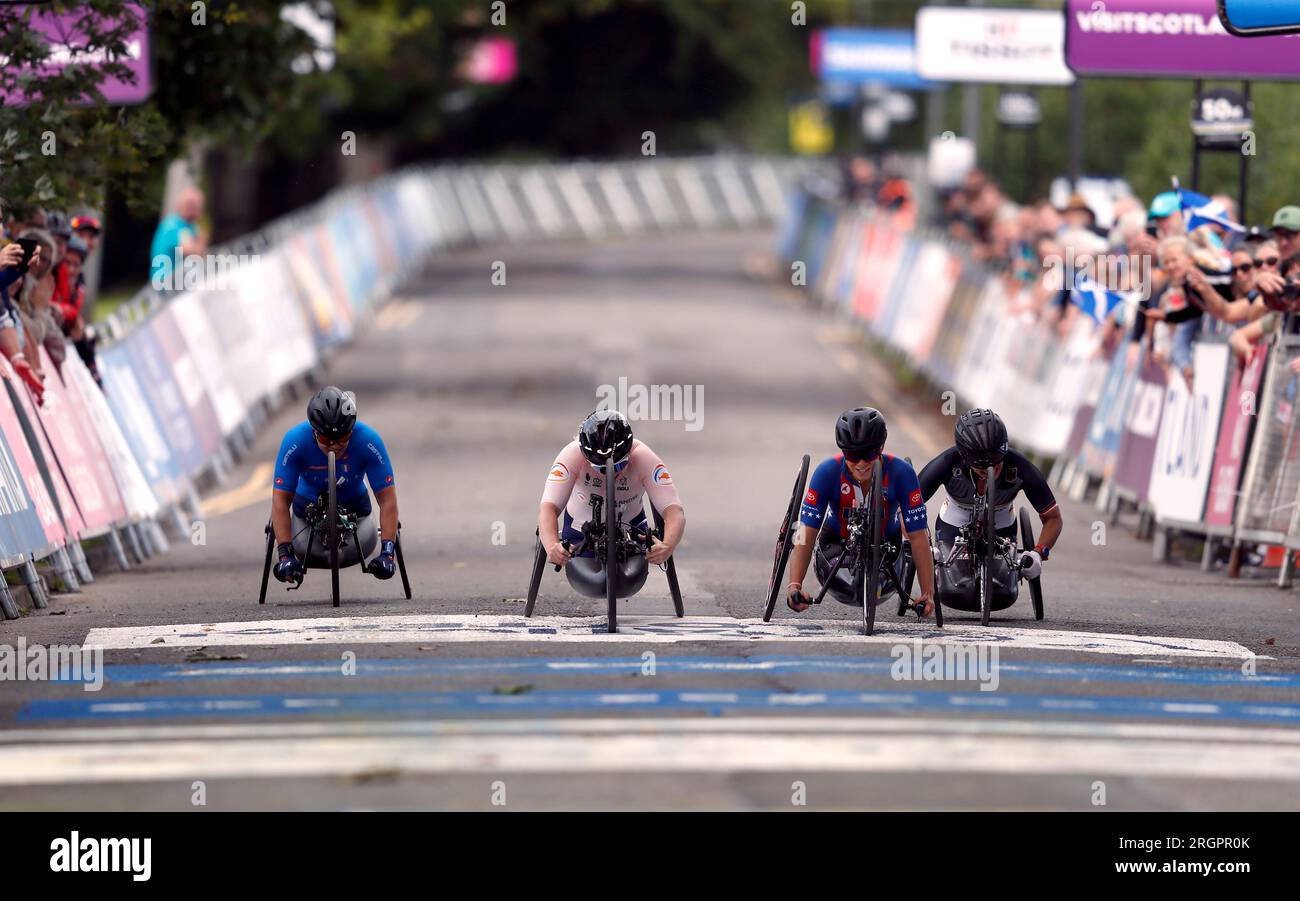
(1020, 461)
(365, 431)
(299, 436)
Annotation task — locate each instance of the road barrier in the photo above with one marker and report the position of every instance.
(1219, 460)
(191, 375)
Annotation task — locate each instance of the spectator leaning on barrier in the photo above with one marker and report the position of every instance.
(179, 235)
(1285, 299)
(34, 305)
(11, 271)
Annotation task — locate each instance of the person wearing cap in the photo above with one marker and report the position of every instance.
(1166, 215)
(1286, 230)
(1077, 215)
(86, 227)
(69, 304)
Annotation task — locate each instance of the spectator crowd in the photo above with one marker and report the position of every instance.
(1148, 278)
(43, 291)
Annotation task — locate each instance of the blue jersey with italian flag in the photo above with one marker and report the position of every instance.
(303, 468)
(832, 490)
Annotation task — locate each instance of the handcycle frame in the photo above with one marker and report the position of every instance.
(612, 541)
(865, 545)
(979, 542)
(337, 526)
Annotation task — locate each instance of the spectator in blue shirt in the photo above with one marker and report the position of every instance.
(178, 236)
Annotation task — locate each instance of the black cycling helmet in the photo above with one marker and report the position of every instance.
(981, 438)
(861, 431)
(332, 413)
(603, 435)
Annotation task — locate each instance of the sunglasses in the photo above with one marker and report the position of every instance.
(618, 467)
(866, 456)
(1270, 262)
(332, 442)
(1243, 268)
(1284, 233)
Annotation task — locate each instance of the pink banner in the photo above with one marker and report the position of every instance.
(83, 459)
(27, 468)
(1239, 407)
(72, 518)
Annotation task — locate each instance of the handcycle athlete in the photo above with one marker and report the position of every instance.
(301, 481)
(981, 447)
(860, 434)
(578, 475)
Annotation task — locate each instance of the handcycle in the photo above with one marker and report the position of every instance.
(867, 553)
(617, 567)
(331, 530)
(981, 570)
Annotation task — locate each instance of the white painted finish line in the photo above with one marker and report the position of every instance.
(755, 744)
(637, 629)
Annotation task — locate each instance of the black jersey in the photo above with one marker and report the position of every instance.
(1018, 474)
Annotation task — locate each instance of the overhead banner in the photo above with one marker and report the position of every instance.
(64, 33)
(1189, 431)
(1170, 39)
(866, 55)
(1000, 46)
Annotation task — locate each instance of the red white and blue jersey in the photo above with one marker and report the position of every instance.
(832, 490)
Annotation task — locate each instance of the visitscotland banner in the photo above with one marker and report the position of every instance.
(1170, 39)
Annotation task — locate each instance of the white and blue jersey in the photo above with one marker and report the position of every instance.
(900, 490)
(303, 468)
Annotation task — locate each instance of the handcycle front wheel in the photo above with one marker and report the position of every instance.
(1035, 585)
(611, 547)
(785, 540)
(332, 529)
(873, 552)
(985, 565)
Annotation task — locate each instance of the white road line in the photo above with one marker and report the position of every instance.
(655, 746)
(635, 629)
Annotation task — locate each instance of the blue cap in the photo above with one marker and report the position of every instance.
(1163, 205)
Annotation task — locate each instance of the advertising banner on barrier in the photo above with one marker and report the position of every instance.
(193, 323)
(926, 293)
(146, 359)
(1268, 493)
(140, 425)
(1180, 473)
(79, 453)
(1239, 413)
(330, 317)
(1110, 400)
(47, 462)
(48, 522)
(1137, 446)
(137, 497)
(30, 524)
(185, 370)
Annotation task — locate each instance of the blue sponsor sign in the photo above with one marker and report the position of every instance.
(865, 56)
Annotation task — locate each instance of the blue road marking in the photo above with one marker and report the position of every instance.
(415, 667)
(712, 701)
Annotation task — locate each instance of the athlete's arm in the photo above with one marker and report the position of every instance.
(823, 487)
(1040, 496)
(559, 486)
(387, 499)
(935, 473)
(674, 526)
(281, 519)
(915, 527)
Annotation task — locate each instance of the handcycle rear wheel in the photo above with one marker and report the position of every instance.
(266, 566)
(332, 529)
(785, 540)
(1035, 585)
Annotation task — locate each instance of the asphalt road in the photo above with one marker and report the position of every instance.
(1146, 687)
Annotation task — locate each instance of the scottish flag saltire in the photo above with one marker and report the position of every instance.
(1200, 210)
(1093, 299)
